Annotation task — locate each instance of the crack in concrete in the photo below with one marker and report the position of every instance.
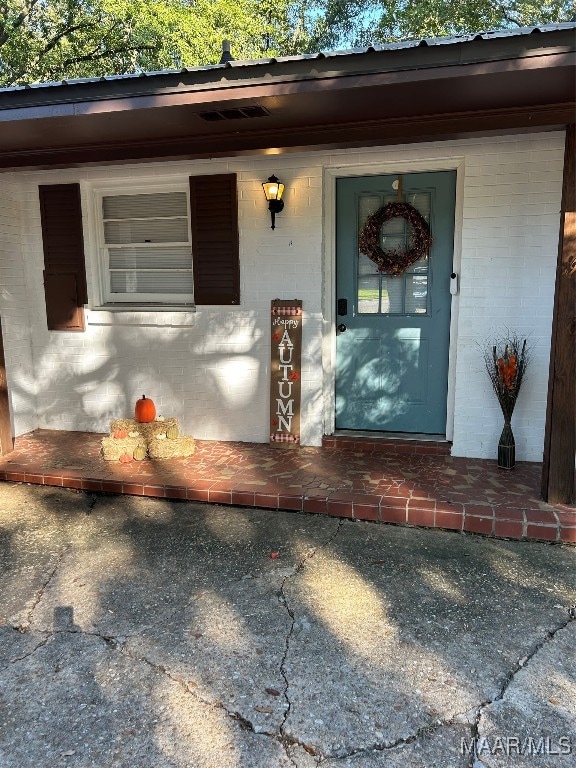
(474, 726)
(92, 501)
(242, 721)
(279, 736)
(25, 626)
(283, 739)
(386, 746)
(111, 642)
(30, 653)
(118, 644)
(522, 664)
(287, 740)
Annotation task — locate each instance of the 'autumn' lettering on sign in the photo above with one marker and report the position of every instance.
(285, 384)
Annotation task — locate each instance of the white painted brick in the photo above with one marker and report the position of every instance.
(14, 310)
(475, 436)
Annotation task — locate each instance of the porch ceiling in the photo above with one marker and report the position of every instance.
(524, 83)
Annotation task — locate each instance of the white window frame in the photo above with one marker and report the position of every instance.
(134, 300)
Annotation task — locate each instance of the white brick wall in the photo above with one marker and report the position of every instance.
(16, 331)
(210, 368)
(512, 197)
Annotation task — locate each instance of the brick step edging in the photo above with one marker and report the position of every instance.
(486, 520)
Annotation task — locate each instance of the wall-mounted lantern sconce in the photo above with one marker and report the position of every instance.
(274, 189)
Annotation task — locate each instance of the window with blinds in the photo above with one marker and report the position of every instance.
(148, 248)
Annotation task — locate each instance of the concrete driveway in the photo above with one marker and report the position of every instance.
(147, 633)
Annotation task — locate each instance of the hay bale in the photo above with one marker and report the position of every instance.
(147, 430)
(152, 435)
(178, 448)
(113, 448)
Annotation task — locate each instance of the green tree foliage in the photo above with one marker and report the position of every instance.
(332, 24)
(42, 40)
(429, 18)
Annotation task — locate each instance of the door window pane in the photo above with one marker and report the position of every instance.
(416, 296)
(368, 295)
(367, 205)
(392, 295)
(366, 266)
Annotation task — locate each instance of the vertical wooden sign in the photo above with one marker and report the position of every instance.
(285, 371)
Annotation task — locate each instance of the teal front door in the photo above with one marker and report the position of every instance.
(393, 331)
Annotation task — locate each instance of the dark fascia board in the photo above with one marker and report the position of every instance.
(262, 88)
(441, 53)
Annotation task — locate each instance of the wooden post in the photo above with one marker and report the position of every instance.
(6, 442)
(560, 433)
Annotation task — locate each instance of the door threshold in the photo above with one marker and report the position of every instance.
(392, 443)
(369, 435)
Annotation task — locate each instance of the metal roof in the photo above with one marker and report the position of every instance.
(234, 64)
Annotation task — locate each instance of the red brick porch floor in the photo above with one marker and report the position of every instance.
(367, 481)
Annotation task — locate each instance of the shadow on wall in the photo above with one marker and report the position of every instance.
(210, 375)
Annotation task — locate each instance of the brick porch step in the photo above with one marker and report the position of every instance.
(388, 444)
(434, 491)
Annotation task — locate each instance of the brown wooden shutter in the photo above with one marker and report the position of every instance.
(64, 267)
(214, 223)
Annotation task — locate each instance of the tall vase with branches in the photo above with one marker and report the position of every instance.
(506, 360)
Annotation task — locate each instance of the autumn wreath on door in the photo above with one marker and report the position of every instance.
(395, 261)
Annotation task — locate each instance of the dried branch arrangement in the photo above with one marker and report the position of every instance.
(506, 360)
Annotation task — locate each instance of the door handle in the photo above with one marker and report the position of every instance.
(341, 327)
(453, 283)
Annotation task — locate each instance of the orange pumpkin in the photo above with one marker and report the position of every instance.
(145, 410)
(120, 434)
(126, 458)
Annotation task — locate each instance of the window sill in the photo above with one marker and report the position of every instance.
(169, 317)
